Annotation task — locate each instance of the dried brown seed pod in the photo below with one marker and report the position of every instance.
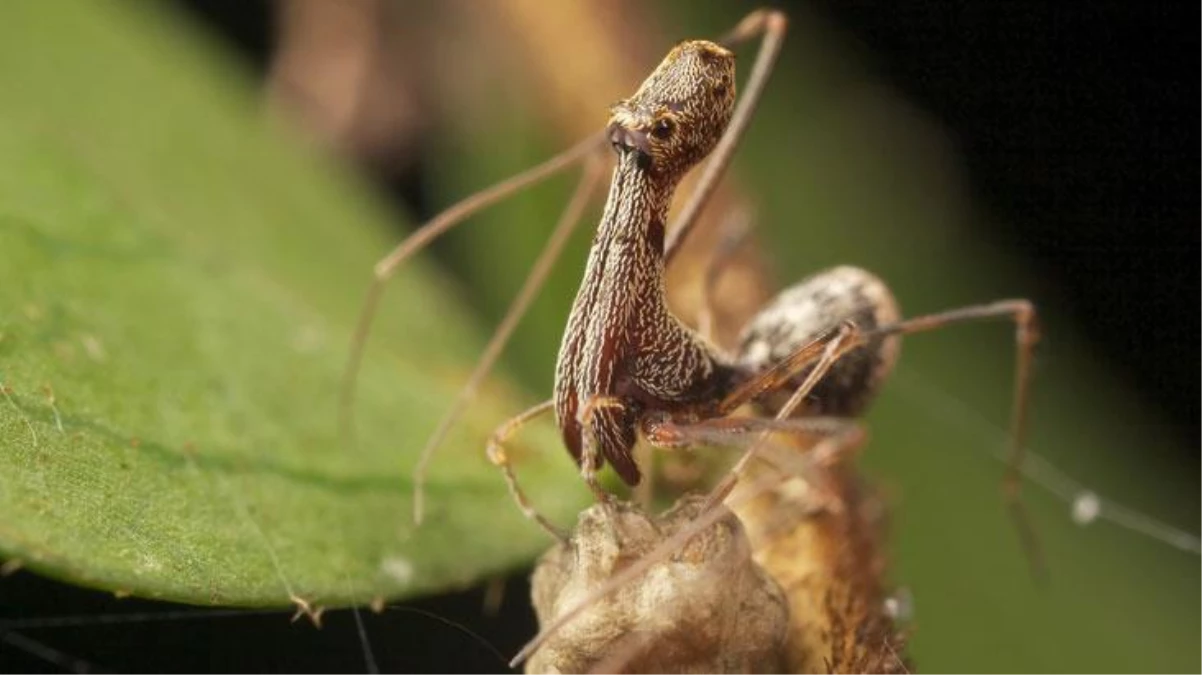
(795, 584)
(707, 607)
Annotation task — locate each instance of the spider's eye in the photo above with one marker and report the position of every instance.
(720, 90)
(663, 129)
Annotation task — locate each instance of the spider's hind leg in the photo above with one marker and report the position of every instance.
(801, 313)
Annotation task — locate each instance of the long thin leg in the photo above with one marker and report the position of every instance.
(421, 237)
(1026, 321)
(772, 24)
(496, 455)
(750, 432)
(823, 353)
(826, 348)
(644, 492)
(667, 434)
(735, 230)
(517, 309)
(590, 460)
(1022, 312)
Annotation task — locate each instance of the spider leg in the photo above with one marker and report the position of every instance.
(496, 455)
(823, 441)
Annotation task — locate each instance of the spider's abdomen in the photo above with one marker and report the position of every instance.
(806, 310)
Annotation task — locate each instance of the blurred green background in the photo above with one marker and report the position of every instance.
(839, 169)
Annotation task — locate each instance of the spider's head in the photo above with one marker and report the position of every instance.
(680, 112)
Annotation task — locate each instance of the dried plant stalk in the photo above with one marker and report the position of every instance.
(706, 608)
(829, 560)
(794, 584)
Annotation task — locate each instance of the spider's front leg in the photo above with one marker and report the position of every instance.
(818, 445)
(601, 421)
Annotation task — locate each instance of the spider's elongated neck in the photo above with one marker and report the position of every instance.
(636, 211)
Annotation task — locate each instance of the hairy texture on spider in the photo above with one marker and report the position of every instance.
(806, 310)
(621, 343)
(678, 114)
(707, 608)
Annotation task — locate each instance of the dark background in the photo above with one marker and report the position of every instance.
(1079, 126)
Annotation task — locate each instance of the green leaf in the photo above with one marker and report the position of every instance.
(184, 280)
